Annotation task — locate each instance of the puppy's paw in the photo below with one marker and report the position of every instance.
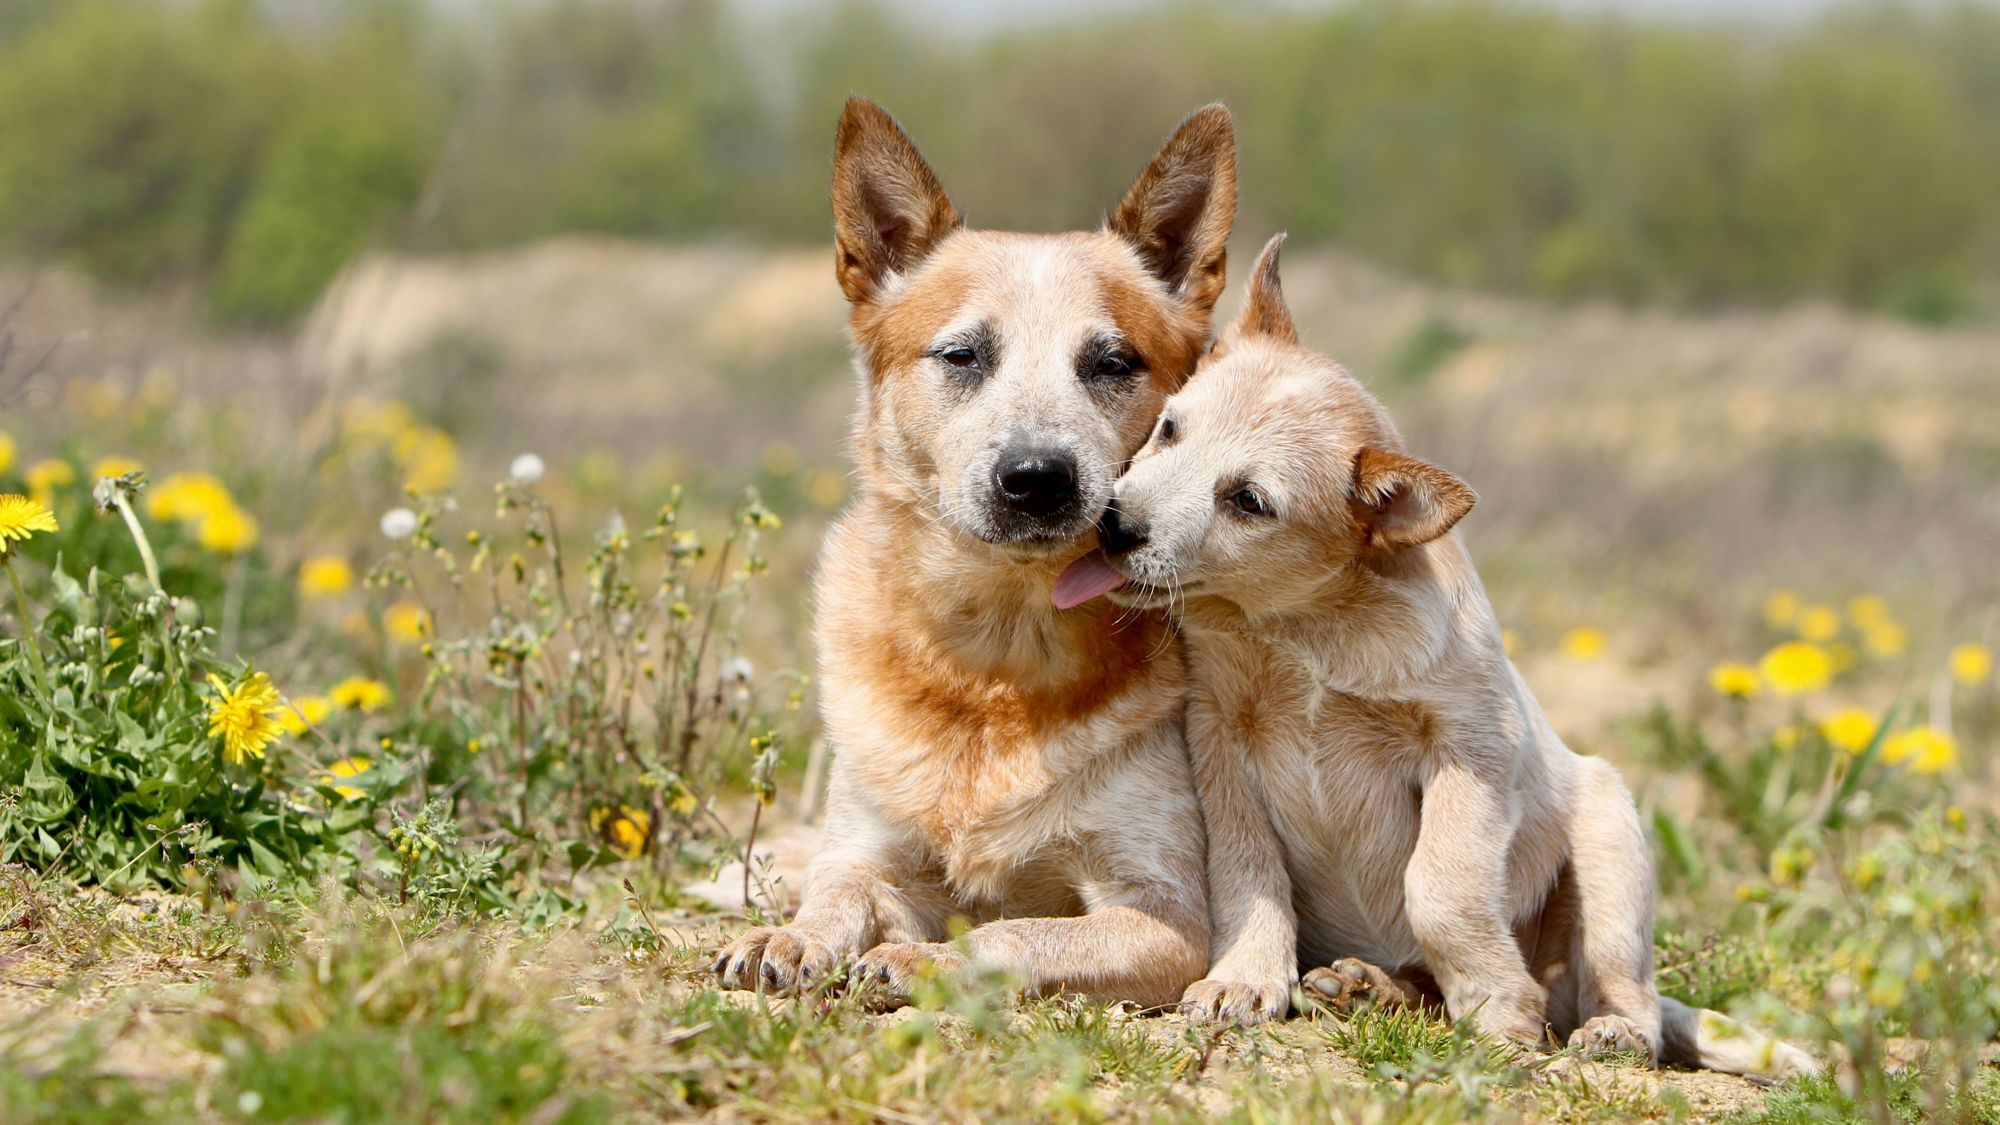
(887, 973)
(777, 959)
(1520, 1016)
(1240, 1002)
(1615, 1035)
(1351, 984)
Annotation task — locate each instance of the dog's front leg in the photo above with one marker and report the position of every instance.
(1250, 892)
(853, 899)
(1455, 890)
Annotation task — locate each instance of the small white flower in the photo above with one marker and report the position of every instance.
(738, 670)
(526, 469)
(399, 523)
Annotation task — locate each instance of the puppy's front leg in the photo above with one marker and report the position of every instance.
(1250, 892)
(1455, 889)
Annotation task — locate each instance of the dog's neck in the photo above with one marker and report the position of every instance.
(990, 613)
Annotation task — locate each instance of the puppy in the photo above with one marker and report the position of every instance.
(1383, 796)
(996, 759)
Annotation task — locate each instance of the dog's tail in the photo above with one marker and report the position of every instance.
(1712, 1041)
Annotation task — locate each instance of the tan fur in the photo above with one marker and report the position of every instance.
(1380, 788)
(996, 759)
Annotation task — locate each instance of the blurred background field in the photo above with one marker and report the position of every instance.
(1704, 302)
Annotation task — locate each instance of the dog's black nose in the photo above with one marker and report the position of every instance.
(1118, 533)
(1036, 482)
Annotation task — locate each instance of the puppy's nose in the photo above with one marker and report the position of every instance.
(1036, 482)
(1118, 533)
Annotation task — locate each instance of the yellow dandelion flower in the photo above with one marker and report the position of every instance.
(305, 713)
(228, 531)
(1971, 663)
(429, 458)
(1885, 638)
(1796, 668)
(1868, 609)
(351, 767)
(114, 467)
(1819, 623)
(1787, 737)
(325, 577)
(406, 621)
(361, 695)
(1738, 681)
(1843, 656)
(45, 477)
(245, 717)
(1851, 729)
(684, 802)
(188, 498)
(1781, 608)
(21, 518)
(1584, 643)
(1923, 749)
(7, 451)
(825, 488)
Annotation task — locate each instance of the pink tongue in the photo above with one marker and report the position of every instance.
(1085, 579)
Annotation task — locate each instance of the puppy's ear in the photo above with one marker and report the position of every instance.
(889, 210)
(1264, 310)
(1177, 214)
(1403, 502)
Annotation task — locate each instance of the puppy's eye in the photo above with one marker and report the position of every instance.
(960, 357)
(1167, 432)
(1113, 366)
(1250, 502)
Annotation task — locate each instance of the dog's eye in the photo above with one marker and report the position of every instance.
(960, 357)
(1250, 502)
(1167, 432)
(1114, 366)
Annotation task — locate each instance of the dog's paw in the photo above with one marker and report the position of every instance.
(1351, 984)
(886, 974)
(1614, 1035)
(781, 960)
(1520, 1017)
(1229, 1001)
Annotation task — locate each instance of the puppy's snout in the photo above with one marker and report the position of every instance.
(1118, 533)
(1036, 482)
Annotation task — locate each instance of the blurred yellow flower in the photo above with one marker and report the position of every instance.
(325, 577)
(21, 518)
(1795, 668)
(406, 621)
(1736, 680)
(1851, 729)
(1509, 641)
(44, 477)
(1786, 737)
(346, 768)
(1924, 749)
(1781, 608)
(244, 716)
(228, 531)
(1842, 655)
(7, 451)
(304, 713)
(825, 488)
(780, 458)
(361, 695)
(114, 467)
(1584, 643)
(1868, 609)
(1819, 623)
(188, 498)
(1971, 663)
(1885, 638)
(627, 830)
(429, 459)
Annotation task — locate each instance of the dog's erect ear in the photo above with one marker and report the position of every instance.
(1178, 212)
(889, 210)
(1404, 502)
(1264, 310)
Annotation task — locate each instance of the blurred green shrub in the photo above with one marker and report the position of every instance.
(1485, 142)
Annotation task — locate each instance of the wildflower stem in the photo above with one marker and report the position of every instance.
(152, 575)
(28, 639)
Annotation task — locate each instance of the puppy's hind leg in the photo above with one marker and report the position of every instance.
(1616, 1007)
(1351, 984)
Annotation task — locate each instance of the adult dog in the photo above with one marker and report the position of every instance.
(1380, 788)
(996, 759)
